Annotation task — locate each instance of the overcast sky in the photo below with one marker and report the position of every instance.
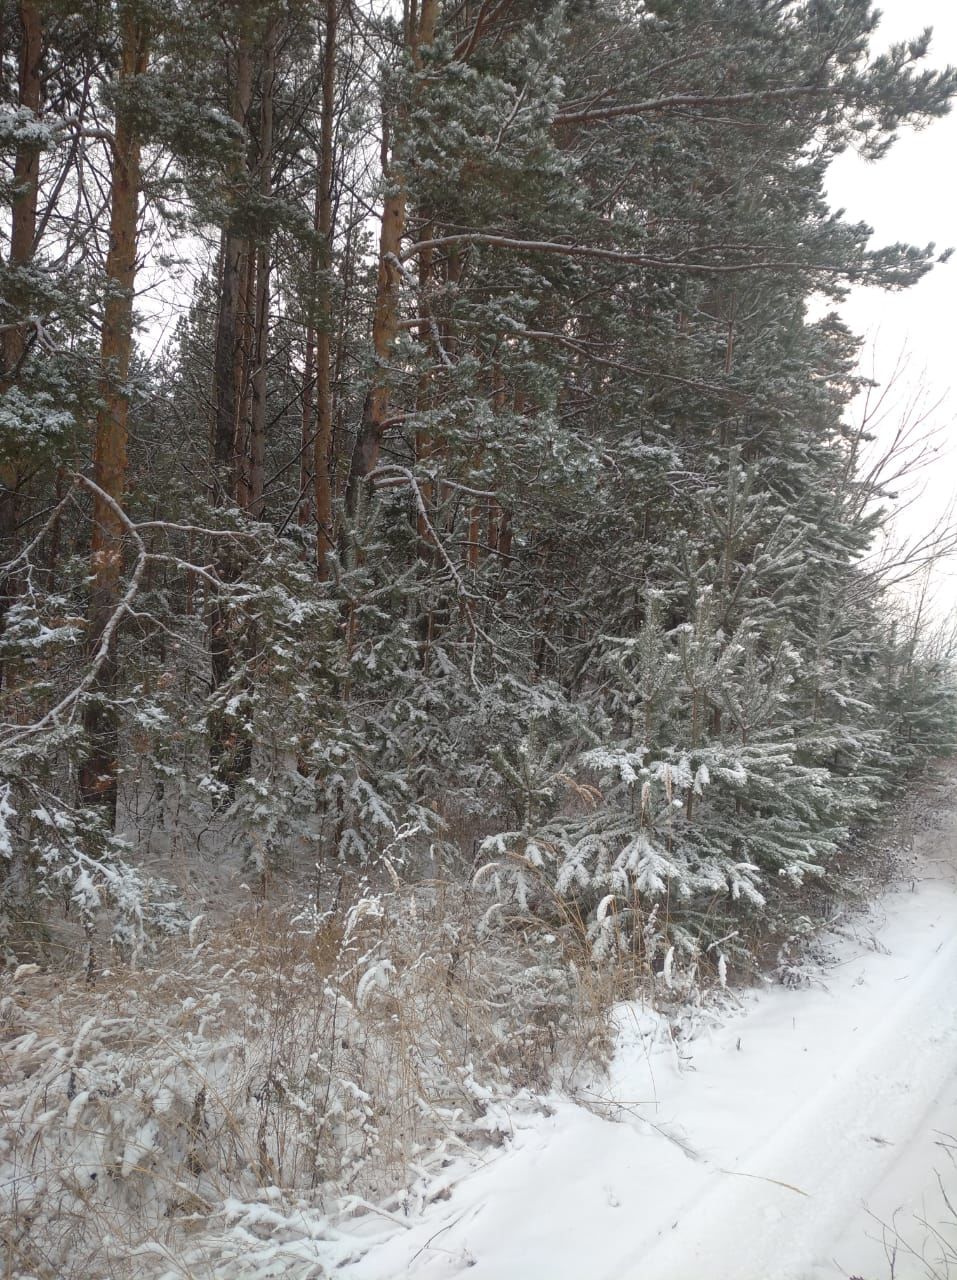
(911, 195)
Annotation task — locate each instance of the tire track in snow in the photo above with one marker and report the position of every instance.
(836, 1148)
(836, 1092)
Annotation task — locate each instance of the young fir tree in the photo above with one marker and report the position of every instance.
(496, 479)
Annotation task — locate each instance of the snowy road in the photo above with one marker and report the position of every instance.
(776, 1151)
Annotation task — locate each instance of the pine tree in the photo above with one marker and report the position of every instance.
(496, 480)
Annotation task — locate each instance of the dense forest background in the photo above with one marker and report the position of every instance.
(492, 512)
(445, 588)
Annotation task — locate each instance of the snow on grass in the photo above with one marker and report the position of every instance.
(801, 1137)
(376, 1094)
(231, 1111)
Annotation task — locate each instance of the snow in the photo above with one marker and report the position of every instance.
(793, 1133)
(799, 1138)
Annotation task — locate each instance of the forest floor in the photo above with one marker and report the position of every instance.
(806, 1134)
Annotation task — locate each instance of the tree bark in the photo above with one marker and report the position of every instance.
(228, 357)
(23, 226)
(229, 755)
(98, 773)
(420, 34)
(306, 440)
(424, 440)
(260, 353)
(324, 402)
(26, 165)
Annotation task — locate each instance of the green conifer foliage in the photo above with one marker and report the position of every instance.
(492, 479)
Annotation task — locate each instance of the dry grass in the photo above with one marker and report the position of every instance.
(924, 1244)
(226, 1112)
(277, 1071)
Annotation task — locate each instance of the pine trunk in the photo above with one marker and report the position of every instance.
(307, 443)
(257, 424)
(23, 226)
(324, 403)
(98, 774)
(228, 357)
(385, 322)
(228, 756)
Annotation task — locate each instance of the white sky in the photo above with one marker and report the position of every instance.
(911, 195)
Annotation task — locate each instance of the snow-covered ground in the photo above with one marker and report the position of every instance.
(803, 1133)
(809, 1135)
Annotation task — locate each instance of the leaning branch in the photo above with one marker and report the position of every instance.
(124, 606)
(684, 101)
(617, 256)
